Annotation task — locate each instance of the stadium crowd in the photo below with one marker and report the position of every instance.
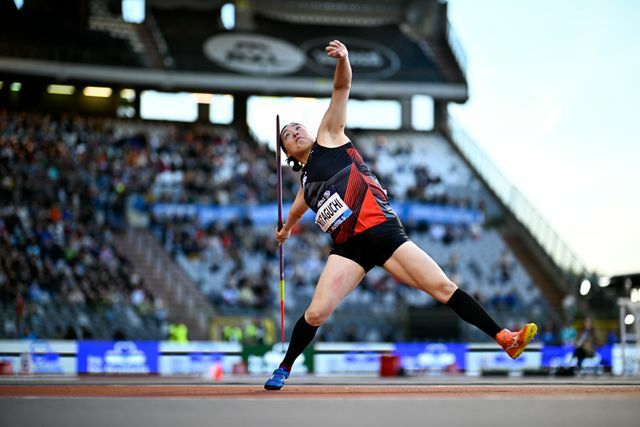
(68, 181)
(62, 198)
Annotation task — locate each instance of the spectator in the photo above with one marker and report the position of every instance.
(568, 334)
(351, 334)
(587, 342)
(549, 335)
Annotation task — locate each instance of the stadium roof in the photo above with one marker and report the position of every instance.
(397, 48)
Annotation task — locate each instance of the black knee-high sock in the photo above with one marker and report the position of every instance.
(301, 336)
(470, 310)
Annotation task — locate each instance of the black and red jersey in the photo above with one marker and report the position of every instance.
(346, 197)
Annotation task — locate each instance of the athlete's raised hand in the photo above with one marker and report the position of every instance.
(336, 49)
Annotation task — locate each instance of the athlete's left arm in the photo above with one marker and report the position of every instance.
(331, 131)
(298, 208)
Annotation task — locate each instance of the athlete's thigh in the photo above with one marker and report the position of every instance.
(339, 277)
(411, 265)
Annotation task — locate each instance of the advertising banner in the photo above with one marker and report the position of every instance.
(627, 362)
(347, 363)
(349, 358)
(264, 359)
(298, 50)
(483, 357)
(555, 356)
(43, 359)
(264, 214)
(118, 357)
(39, 356)
(431, 357)
(196, 358)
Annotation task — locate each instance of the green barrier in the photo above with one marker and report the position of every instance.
(263, 359)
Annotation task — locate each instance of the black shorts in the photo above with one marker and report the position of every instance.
(373, 246)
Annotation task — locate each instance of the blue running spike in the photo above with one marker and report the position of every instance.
(277, 380)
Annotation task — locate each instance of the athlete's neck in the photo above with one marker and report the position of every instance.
(304, 157)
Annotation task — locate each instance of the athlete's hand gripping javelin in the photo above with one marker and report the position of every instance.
(298, 208)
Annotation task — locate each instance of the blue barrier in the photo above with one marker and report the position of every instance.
(267, 214)
(118, 357)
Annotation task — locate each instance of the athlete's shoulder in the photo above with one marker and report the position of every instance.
(347, 144)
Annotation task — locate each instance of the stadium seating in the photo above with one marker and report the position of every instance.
(98, 169)
(61, 203)
(65, 41)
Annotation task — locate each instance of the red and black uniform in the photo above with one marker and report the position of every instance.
(351, 205)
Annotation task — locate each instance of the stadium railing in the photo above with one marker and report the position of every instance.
(523, 210)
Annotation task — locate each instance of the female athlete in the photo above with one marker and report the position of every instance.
(351, 205)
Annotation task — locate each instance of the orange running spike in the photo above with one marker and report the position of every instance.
(514, 343)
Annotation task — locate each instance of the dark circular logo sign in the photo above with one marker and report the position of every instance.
(368, 59)
(253, 54)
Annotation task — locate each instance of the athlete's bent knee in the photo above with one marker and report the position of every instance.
(443, 290)
(315, 317)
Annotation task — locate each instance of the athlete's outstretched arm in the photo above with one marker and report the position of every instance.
(298, 208)
(331, 131)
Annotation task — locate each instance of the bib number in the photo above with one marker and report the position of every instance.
(333, 212)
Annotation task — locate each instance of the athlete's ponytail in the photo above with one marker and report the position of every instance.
(294, 163)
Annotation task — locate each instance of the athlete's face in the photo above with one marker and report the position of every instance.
(296, 139)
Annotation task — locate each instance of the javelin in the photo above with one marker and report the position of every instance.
(279, 184)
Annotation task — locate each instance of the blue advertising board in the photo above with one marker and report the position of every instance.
(554, 356)
(118, 357)
(432, 356)
(43, 359)
(192, 363)
(264, 214)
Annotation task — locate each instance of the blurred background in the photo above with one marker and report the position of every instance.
(138, 199)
